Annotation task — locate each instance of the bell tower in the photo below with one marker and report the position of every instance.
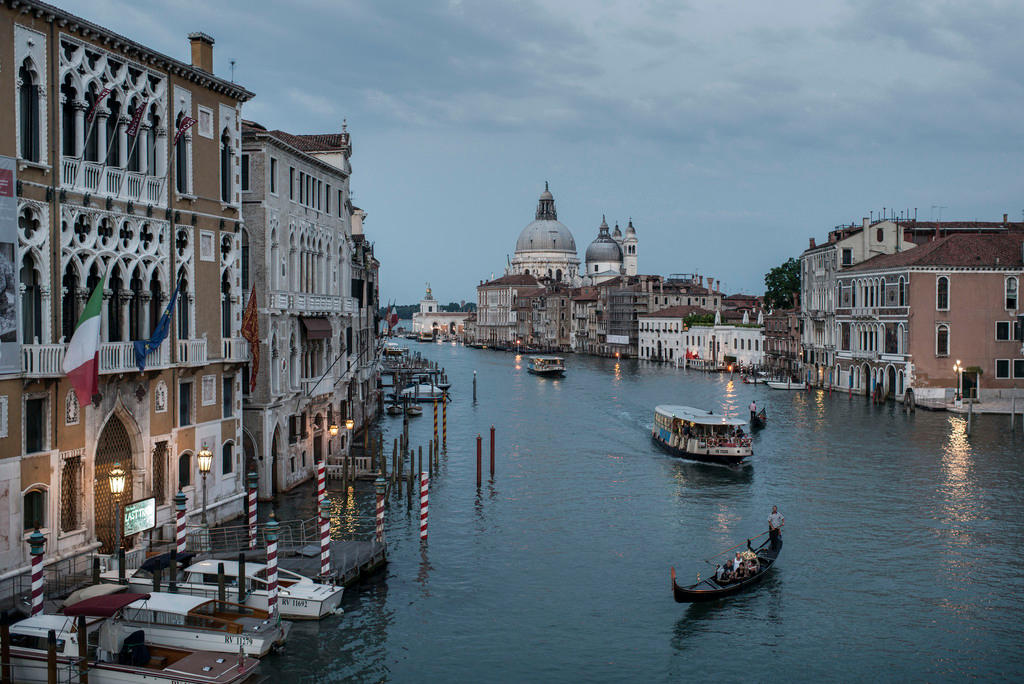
(629, 250)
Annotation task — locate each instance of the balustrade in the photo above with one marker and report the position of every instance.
(192, 352)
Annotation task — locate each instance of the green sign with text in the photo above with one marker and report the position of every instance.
(139, 516)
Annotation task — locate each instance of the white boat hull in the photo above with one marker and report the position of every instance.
(785, 385)
(291, 607)
(29, 666)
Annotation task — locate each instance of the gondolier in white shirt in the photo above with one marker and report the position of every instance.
(753, 410)
(775, 523)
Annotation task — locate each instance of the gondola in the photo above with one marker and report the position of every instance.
(709, 589)
(759, 419)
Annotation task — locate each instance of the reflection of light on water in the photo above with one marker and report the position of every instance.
(345, 515)
(729, 405)
(618, 371)
(956, 465)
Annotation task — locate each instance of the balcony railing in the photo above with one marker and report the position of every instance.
(192, 352)
(108, 181)
(316, 386)
(42, 360)
(119, 357)
(235, 349)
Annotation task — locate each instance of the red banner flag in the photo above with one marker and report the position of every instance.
(251, 332)
(133, 127)
(187, 122)
(99, 98)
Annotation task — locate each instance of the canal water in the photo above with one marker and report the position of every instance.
(904, 541)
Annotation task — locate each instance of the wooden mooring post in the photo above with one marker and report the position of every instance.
(479, 456)
(492, 452)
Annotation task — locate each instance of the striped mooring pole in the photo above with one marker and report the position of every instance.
(424, 508)
(271, 532)
(444, 421)
(179, 504)
(325, 538)
(37, 543)
(380, 486)
(253, 482)
(435, 422)
(321, 481)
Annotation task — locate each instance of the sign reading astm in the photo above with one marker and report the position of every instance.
(139, 516)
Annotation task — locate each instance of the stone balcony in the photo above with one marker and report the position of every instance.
(235, 349)
(192, 352)
(98, 179)
(45, 360)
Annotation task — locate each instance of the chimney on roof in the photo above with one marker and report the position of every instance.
(812, 243)
(865, 222)
(202, 51)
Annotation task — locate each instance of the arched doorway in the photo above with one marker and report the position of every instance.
(113, 446)
(249, 451)
(867, 376)
(890, 382)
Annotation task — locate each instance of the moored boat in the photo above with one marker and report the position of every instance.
(394, 410)
(116, 655)
(551, 366)
(298, 597)
(422, 392)
(711, 588)
(785, 385)
(196, 622)
(414, 410)
(700, 435)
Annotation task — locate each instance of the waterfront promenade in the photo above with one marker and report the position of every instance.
(902, 539)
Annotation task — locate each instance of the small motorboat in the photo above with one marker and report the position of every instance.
(414, 410)
(117, 653)
(422, 392)
(394, 410)
(785, 385)
(759, 420)
(710, 588)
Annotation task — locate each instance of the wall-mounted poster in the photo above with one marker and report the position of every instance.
(10, 350)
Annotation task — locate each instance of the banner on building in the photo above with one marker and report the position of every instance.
(618, 339)
(10, 350)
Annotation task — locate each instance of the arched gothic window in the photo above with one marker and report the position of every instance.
(182, 307)
(184, 470)
(29, 124)
(31, 303)
(34, 510)
(181, 159)
(227, 458)
(69, 142)
(942, 340)
(902, 294)
(113, 150)
(1011, 293)
(225, 166)
(245, 262)
(225, 305)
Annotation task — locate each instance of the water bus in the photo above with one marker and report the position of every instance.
(700, 435)
(553, 366)
(392, 350)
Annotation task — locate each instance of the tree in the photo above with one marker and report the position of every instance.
(782, 285)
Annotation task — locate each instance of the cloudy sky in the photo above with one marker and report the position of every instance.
(729, 131)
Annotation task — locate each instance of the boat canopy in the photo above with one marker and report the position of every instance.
(209, 567)
(40, 625)
(547, 359)
(102, 606)
(698, 416)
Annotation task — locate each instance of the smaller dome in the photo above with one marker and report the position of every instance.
(546, 195)
(604, 248)
(617, 234)
(630, 230)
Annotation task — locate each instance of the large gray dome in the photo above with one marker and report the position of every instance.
(604, 248)
(546, 233)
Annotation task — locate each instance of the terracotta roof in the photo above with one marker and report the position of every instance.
(676, 312)
(588, 297)
(320, 142)
(528, 280)
(960, 250)
(533, 292)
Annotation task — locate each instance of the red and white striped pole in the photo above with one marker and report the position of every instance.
(179, 505)
(380, 486)
(253, 493)
(321, 481)
(325, 539)
(424, 508)
(37, 542)
(271, 532)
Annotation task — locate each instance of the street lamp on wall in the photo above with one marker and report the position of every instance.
(116, 480)
(333, 429)
(959, 370)
(349, 424)
(205, 460)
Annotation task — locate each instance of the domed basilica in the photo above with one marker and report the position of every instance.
(546, 249)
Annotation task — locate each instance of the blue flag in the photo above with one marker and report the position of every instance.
(163, 327)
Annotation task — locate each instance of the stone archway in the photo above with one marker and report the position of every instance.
(866, 377)
(890, 382)
(113, 446)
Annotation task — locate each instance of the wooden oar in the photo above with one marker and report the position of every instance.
(708, 560)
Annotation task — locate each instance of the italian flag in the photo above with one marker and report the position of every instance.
(81, 360)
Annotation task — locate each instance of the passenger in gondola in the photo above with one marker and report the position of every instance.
(720, 574)
(737, 567)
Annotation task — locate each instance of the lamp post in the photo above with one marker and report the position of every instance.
(116, 479)
(205, 461)
(959, 370)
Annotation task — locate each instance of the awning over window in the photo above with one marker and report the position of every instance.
(317, 328)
